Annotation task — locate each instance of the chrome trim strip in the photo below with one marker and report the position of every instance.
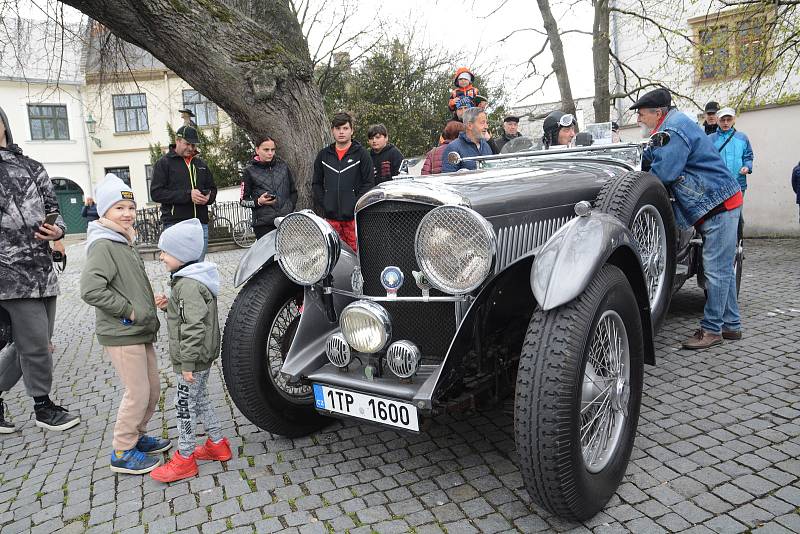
(514, 242)
(387, 298)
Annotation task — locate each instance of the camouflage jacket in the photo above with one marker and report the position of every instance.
(26, 196)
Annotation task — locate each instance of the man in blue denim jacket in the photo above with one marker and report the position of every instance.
(706, 197)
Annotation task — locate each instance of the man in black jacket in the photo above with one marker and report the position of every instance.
(343, 172)
(386, 158)
(183, 184)
(710, 124)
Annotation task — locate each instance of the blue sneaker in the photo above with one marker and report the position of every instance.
(152, 445)
(133, 462)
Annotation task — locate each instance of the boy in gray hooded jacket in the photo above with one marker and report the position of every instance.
(194, 341)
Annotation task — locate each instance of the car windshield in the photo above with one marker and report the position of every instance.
(630, 154)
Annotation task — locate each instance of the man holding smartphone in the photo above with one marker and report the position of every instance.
(183, 184)
(29, 219)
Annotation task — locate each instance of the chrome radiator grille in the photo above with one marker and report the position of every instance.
(513, 242)
(386, 232)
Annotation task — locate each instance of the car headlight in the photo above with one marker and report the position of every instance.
(308, 247)
(366, 326)
(455, 248)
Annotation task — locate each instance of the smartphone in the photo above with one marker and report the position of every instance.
(51, 218)
(205, 192)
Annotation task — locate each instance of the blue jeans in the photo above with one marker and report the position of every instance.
(719, 254)
(205, 239)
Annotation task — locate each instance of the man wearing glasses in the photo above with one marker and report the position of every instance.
(706, 197)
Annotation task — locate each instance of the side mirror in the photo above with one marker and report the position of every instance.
(658, 139)
(454, 158)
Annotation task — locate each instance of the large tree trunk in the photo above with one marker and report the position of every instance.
(559, 63)
(600, 52)
(249, 57)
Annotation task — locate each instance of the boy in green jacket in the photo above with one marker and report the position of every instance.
(115, 283)
(194, 342)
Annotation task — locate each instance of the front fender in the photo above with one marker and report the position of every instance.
(570, 259)
(261, 254)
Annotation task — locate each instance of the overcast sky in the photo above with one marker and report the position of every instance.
(467, 26)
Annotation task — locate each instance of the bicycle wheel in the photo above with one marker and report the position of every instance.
(243, 234)
(219, 229)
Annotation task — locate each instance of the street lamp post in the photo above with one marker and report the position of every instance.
(91, 127)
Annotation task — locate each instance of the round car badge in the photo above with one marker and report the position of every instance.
(392, 279)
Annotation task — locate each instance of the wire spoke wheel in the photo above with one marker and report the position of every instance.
(279, 341)
(606, 392)
(648, 231)
(243, 234)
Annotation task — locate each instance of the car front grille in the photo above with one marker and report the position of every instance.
(386, 232)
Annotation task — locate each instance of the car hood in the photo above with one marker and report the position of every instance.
(501, 191)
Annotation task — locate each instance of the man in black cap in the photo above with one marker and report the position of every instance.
(710, 124)
(510, 126)
(188, 117)
(706, 197)
(183, 183)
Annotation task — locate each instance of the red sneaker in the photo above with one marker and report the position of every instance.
(178, 468)
(213, 451)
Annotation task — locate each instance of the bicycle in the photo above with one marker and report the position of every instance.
(219, 228)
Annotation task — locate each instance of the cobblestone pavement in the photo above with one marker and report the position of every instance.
(717, 449)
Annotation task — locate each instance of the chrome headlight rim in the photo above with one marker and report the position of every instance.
(330, 242)
(424, 264)
(381, 317)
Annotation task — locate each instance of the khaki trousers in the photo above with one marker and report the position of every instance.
(138, 372)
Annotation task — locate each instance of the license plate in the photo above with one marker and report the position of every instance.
(379, 410)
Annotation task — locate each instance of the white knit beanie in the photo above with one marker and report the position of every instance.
(110, 191)
(183, 241)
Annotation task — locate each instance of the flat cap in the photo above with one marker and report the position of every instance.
(657, 98)
(712, 107)
(511, 118)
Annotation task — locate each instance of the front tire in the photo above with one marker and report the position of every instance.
(258, 334)
(578, 396)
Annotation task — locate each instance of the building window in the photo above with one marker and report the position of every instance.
(205, 111)
(123, 173)
(148, 175)
(48, 122)
(731, 44)
(130, 113)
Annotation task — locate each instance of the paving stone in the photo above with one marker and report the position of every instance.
(725, 524)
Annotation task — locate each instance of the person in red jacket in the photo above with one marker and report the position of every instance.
(433, 159)
(464, 90)
(343, 172)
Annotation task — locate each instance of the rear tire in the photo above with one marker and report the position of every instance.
(259, 329)
(641, 202)
(570, 394)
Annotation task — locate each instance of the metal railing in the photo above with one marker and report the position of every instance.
(223, 216)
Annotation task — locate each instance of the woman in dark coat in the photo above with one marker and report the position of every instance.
(267, 187)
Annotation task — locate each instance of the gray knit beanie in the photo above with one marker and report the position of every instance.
(183, 241)
(110, 191)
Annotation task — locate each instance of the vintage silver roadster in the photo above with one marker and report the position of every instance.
(542, 274)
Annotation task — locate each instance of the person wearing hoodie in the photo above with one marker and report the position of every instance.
(343, 172)
(194, 342)
(267, 187)
(28, 282)
(463, 90)
(114, 281)
(386, 158)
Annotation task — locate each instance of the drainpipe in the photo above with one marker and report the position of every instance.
(86, 141)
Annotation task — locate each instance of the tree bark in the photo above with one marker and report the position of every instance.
(600, 52)
(249, 57)
(559, 63)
